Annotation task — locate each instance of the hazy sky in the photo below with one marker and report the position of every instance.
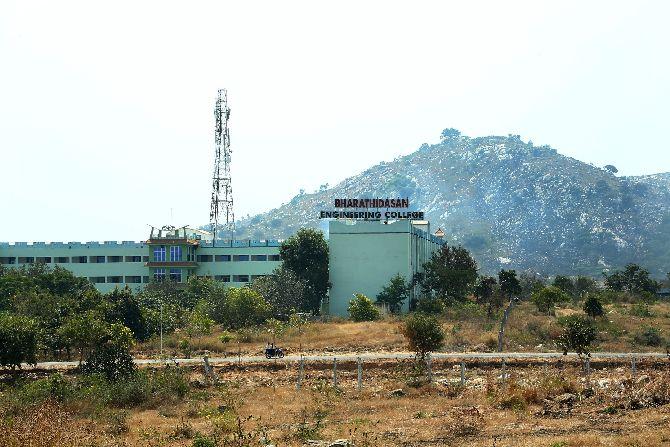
(106, 108)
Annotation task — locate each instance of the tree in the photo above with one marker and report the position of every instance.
(394, 294)
(199, 322)
(18, 340)
(282, 290)
(611, 168)
(593, 307)
(243, 307)
(547, 298)
(485, 294)
(633, 279)
(424, 334)
(361, 308)
(450, 274)
(124, 308)
(509, 284)
(584, 285)
(83, 332)
(449, 133)
(565, 284)
(530, 283)
(306, 255)
(111, 356)
(578, 334)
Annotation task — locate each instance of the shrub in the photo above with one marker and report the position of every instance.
(18, 340)
(648, 336)
(361, 308)
(640, 310)
(547, 298)
(429, 305)
(578, 334)
(593, 307)
(203, 441)
(111, 358)
(424, 333)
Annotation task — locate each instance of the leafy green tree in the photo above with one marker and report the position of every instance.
(111, 355)
(243, 308)
(124, 308)
(547, 298)
(361, 308)
(199, 322)
(530, 283)
(394, 293)
(578, 334)
(306, 255)
(424, 334)
(430, 305)
(283, 290)
(565, 284)
(450, 274)
(633, 279)
(485, 294)
(83, 332)
(593, 307)
(18, 340)
(450, 133)
(584, 285)
(509, 284)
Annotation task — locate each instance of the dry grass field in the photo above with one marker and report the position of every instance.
(544, 404)
(527, 330)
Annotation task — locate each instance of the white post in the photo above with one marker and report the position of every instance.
(335, 372)
(504, 370)
(360, 374)
(462, 372)
(429, 366)
(300, 372)
(633, 366)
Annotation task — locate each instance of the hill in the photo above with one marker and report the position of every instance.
(513, 204)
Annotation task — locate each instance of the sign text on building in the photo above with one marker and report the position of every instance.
(351, 209)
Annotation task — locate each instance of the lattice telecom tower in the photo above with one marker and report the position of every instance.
(222, 191)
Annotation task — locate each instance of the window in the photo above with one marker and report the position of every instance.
(133, 279)
(115, 279)
(159, 274)
(26, 260)
(97, 279)
(240, 278)
(145, 258)
(96, 259)
(175, 253)
(61, 259)
(205, 258)
(159, 254)
(224, 278)
(175, 275)
(8, 260)
(240, 257)
(134, 259)
(79, 259)
(259, 257)
(145, 279)
(44, 259)
(274, 258)
(222, 258)
(114, 258)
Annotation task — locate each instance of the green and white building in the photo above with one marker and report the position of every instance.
(364, 255)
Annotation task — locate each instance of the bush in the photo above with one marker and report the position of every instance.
(361, 308)
(648, 336)
(578, 334)
(640, 310)
(424, 333)
(243, 307)
(18, 340)
(547, 298)
(429, 305)
(111, 357)
(593, 307)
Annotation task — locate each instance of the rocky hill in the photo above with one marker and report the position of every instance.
(513, 204)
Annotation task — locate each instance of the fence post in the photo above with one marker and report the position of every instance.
(462, 372)
(588, 366)
(335, 372)
(504, 370)
(301, 370)
(632, 365)
(360, 374)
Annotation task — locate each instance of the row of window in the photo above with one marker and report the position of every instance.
(159, 256)
(118, 279)
(237, 278)
(10, 260)
(237, 258)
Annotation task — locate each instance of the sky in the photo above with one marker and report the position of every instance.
(106, 108)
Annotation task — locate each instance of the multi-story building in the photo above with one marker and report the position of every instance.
(169, 253)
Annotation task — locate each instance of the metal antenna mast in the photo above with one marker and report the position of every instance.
(222, 191)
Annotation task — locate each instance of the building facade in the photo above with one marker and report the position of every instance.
(169, 253)
(365, 255)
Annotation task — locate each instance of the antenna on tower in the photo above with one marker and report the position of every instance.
(222, 191)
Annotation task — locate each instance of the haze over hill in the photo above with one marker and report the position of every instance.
(513, 204)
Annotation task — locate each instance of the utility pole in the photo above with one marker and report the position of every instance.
(222, 191)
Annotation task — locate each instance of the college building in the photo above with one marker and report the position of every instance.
(364, 256)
